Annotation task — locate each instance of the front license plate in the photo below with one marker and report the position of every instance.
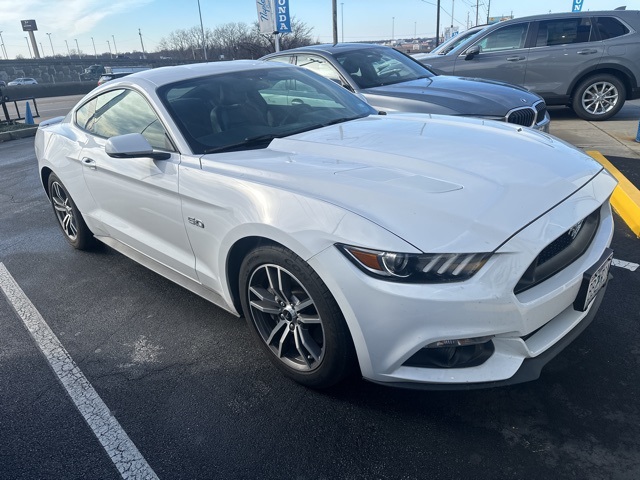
(593, 280)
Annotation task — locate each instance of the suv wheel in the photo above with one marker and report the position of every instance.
(599, 97)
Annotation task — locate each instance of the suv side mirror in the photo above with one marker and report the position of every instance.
(472, 52)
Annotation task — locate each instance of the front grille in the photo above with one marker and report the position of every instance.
(525, 116)
(560, 253)
(541, 109)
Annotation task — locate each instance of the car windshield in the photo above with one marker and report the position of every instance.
(375, 67)
(454, 42)
(247, 109)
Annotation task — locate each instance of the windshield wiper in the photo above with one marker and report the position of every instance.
(247, 142)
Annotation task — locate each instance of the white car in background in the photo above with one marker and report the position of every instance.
(23, 81)
(420, 250)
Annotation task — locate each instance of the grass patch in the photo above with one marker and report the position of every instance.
(14, 126)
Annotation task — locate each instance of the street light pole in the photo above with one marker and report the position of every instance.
(109, 45)
(29, 47)
(78, 47)
(94, 48)
(144, 55)
(204, 45)
(115, 48)
(4, 50)
(68, 51)
(393, 26)
(53, 54)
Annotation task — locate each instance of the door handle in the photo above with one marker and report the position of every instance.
(89, 162)
(587, 51)
(514, 59)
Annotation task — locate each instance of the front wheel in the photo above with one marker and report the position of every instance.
(599, 97)
(295, 318)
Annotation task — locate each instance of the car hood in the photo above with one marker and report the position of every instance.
(466, 96)
(441, 183)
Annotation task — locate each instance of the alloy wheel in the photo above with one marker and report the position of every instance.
(64, 210)
(600, 98)
(286, 317)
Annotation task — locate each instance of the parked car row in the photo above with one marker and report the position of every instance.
(390, 81)
(587, 60)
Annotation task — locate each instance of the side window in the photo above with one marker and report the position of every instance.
(119, 112)
(610, 27)
(506, 38)
(320, 66)
(564, 31)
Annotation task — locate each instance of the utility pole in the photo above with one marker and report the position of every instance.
(488, 11)
(342, 19)
(438, 24)
(453, 4)
(477, 10)
(144, 55)
(334, 10)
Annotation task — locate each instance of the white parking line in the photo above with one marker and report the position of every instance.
(123, 453)
(622, 264)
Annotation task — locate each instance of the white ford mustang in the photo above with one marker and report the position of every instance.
(429, 251)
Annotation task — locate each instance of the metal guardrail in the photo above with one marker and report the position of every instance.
(4, 100)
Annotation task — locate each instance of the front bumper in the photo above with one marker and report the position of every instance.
(391, 322)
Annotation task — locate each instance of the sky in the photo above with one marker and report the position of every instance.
(120, 22)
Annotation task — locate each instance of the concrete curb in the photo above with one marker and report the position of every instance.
(626, 197)
(16, 134)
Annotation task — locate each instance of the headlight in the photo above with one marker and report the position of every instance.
(416, 268)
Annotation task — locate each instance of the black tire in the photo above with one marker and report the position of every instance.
(294, 318)
(599, 97)
(73, 227)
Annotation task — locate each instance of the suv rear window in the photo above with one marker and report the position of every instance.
(609, 27)
(564, 31)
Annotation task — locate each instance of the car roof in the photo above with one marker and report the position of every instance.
(331, 48)
(165, 75)
(587, 13)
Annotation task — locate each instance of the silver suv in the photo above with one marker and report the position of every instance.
(587, 60)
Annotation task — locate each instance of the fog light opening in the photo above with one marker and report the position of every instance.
(457, 353)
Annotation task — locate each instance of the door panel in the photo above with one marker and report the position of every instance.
(502, 56)
(562, 48)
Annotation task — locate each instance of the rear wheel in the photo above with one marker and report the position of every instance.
(599, 97)
(69, 218)
(295, 318)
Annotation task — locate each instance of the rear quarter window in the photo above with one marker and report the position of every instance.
(610, 27)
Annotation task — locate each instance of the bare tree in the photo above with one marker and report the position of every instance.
(231, 41)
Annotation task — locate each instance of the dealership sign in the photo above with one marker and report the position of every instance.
(577, 5)
(29, 25)
(273, 16)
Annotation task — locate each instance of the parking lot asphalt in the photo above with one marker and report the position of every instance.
(197, 398)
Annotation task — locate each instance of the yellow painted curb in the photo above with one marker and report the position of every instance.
(626, 197)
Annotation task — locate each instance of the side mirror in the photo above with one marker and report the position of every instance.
(132, 145)
(472, 52)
